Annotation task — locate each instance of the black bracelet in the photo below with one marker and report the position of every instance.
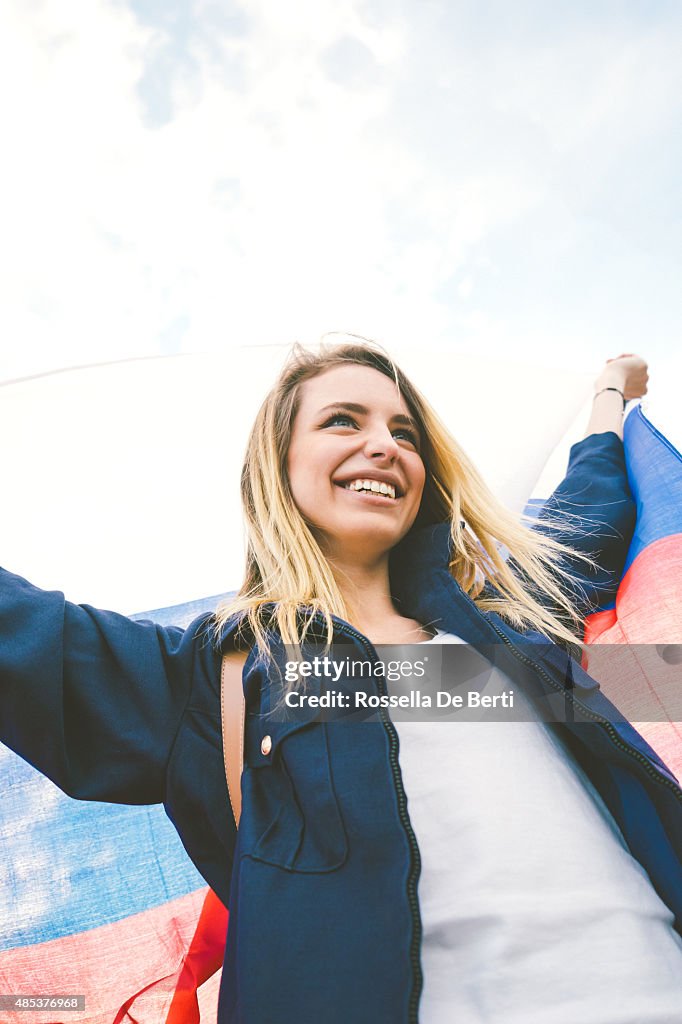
(611, 389)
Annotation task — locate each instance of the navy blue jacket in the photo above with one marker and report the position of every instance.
(321, 881)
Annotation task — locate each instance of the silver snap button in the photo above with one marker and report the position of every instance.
(266, 745)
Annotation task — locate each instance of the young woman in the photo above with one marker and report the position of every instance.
(387, 872)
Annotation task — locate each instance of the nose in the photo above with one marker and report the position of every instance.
(381, 444)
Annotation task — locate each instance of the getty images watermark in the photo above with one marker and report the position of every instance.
(460, 682)
(332, 671)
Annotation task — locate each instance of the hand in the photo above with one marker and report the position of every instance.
(627, 372)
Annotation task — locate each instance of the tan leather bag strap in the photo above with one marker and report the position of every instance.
(232, 713)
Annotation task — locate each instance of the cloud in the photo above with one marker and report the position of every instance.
(195, 175)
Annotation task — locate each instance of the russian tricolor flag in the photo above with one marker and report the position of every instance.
(643, 676)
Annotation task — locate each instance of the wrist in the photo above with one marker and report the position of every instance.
(611, 391)
(610, 378)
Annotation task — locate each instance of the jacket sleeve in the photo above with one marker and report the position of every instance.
(92, 699)
(594, 498)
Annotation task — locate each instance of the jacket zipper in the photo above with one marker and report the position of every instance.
(606, 725)
(415, 860)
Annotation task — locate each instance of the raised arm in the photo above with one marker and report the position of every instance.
(92, 699)
(620, 380)
(595, 495)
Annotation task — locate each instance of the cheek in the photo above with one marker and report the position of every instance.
(305, 481)
(419, 478)
(418, 487)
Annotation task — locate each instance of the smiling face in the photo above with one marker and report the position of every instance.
(351, 427)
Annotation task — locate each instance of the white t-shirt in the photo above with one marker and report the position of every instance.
(533, 909)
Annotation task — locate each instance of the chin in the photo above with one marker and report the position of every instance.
(366, 540)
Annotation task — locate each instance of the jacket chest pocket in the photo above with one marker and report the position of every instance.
(290, 813)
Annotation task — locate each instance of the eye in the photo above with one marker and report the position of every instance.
(339, 416)
(409, 434)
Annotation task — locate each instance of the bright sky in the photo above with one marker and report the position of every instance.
(186, 175)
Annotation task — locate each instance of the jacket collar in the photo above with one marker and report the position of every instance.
(425, 589)
(423, 549)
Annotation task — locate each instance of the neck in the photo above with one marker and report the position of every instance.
(366, 591)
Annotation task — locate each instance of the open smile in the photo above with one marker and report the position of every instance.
(379, 484)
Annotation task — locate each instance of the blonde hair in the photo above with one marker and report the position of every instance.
(288, 581)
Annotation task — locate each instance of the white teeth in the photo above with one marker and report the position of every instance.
(376, 486)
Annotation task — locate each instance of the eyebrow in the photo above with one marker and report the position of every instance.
(363, 411)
